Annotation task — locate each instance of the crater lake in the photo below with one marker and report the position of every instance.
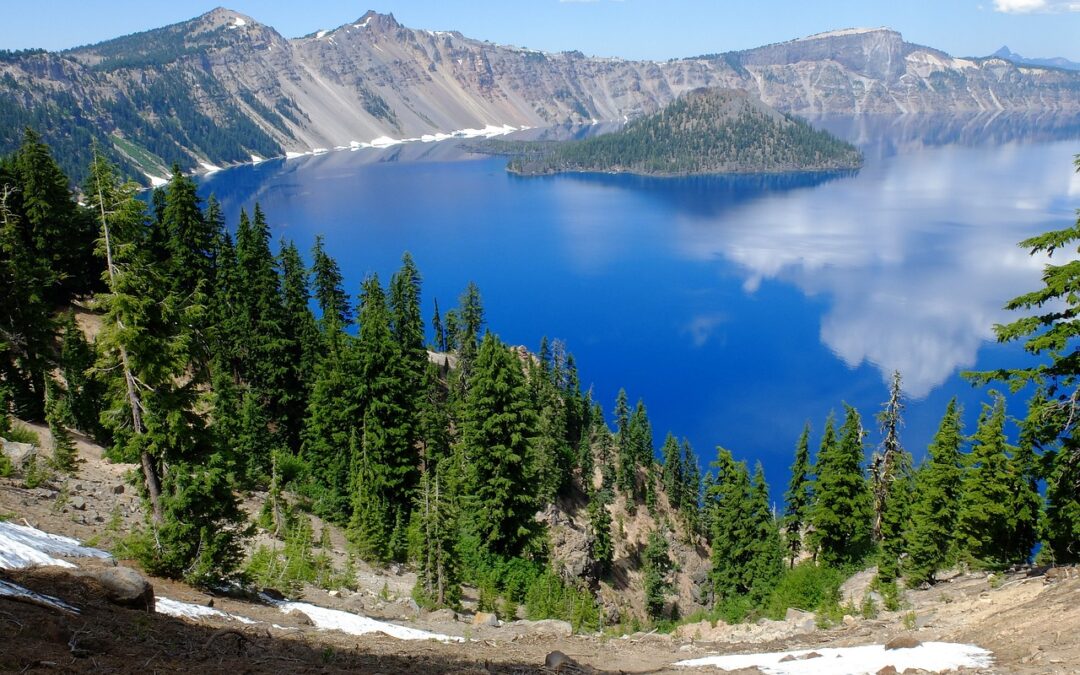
(738, 308)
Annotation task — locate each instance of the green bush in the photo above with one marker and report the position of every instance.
(549, 597)
(20, 433)
(808, 587)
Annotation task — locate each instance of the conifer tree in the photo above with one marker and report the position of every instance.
(330, 295)
(84, 388)
(672, 469)
(798, 498)
(933, 515)
(988, 515)
(601, 547)
(302, 342)
(766, 562)
(27, 281)
(438, 578)
(728, 502)
(387, 438)
(690, 491)
(58, 234)
(190, 237)
(497, 435)
(893, 485)
(438, 330)
(657, 565)
(368, 526)
(65, 455)
(842, 504)
(147, 341)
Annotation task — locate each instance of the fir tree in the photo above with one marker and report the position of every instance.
(438, 578)
(497, 435)
(798, 498)
(387, 405)
(657, 564)
(987, 517)
(438, 330)
(329, 293)
(766, 562)
(728, 502)
(601, 547)
(65, 455)
(842, 505)
(190, 237)
(893, 484)
(146, 339)
(84, 388)
(933, 514)
(301, 341)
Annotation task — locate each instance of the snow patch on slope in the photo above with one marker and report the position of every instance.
(186, 610)
(867, 659)
(354, 624)
(24, 546)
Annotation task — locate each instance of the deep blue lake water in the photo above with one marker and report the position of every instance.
(737, 308)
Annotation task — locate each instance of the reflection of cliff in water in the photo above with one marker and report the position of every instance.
(706, 196)
(881, 136)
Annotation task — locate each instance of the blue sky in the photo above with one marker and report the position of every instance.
(642, 29)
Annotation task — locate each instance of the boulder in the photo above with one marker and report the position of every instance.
(77, 503)
(125, 587)
(118, 489)
(902, 642)
(299, 618)
(18, 453)
(485, 619)
(887, 670)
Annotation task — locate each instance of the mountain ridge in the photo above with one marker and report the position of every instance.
(222, 87)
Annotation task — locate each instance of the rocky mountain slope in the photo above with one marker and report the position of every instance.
(222, 87)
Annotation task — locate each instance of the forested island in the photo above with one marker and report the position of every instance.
(707, 131)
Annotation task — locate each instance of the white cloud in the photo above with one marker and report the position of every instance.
(1036, 6)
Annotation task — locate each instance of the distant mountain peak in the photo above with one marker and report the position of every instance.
(846, 32)
(1004, 52)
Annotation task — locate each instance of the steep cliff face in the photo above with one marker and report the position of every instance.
(222, 87)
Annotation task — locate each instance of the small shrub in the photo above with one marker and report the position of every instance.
(868, 609)
(36, 473)
(909, 621)
(20, 433)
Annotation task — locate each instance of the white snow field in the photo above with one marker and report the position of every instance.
(23, 546)
(863, 660)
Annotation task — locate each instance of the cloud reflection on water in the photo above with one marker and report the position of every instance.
(908, 286)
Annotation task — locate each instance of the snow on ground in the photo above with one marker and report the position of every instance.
(255, 159)
(867, 659)
(156, 181)
(383, 142)
(320, 34)
(210, 168)
(237, 23)
(187, 610)
(23, 546)
(354, 624)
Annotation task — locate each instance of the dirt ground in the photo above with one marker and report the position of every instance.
(1029, 621)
